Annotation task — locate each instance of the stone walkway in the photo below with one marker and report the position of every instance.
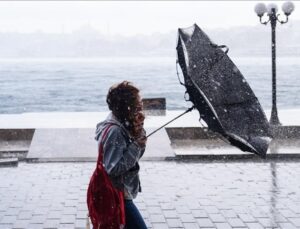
(175, 195)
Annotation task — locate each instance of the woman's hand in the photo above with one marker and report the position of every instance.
(139, 131)
(142, 139)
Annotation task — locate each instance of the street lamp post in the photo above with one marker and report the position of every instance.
(271, 10)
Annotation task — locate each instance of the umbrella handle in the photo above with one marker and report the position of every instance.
(220, 46)
(224, 46)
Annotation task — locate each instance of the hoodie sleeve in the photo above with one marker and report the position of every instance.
(119, 156)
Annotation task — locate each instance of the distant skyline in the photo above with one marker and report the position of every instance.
(127, 18)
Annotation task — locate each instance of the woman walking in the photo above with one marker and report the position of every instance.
(115, 181)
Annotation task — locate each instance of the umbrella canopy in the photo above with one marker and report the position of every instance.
(221, 94)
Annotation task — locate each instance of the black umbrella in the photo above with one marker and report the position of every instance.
(221, 94)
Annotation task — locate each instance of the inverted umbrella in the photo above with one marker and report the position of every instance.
(220, 93)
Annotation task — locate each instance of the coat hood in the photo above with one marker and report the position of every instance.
(111, 119)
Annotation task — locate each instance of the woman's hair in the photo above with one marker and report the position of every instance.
(122, 100)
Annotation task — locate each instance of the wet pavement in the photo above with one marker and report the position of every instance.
(175, 195)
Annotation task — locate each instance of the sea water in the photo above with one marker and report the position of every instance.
(71, 85)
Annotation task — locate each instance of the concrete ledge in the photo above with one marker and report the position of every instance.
(11, 162)
(154, 103)
(154, 106)
(191, 133)
(16, 134)
(21, 155)
(155, 112)
(280, 132)
(284, 132)
(15, 144)
(286, 145)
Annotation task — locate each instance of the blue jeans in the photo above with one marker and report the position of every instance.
(134, 220)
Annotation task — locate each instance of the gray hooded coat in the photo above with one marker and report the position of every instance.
(121, 155)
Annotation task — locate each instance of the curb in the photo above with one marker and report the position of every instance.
(88, 159)
(183, 158)
(237, 157)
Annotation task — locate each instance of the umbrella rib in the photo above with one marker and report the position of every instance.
(210, 105)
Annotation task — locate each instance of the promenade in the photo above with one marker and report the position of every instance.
(174, 195)
(193, 193)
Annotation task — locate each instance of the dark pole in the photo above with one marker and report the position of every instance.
(274, 120)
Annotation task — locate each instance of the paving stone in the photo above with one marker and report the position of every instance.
(69, 211)
(187, 218)
(81, 214)
(217, 218)
(3, 205)
(51, 223)
(8, 219)
(247, 218)
(191, 226)
(174, 223)
(148, 223)
(141, 206)
(210, 209)
(208, 227)
(44, 203)
(66, 226)
(152, 202)
(25, 215)
(205, 202)
(236, 222)
(145, 214)
(288, 213)
(193, 205)
(223, 226)
(67, 219)
(266, 222)
(199, 214)
(17, 203)
(170, 213)
(12, 211)
(36, 226)
(205, 222)
(24, 224)
(157, 219)
(279, 218)
(29, 207)
(54, 215)
(56, 207)
(80, 224)
(182, 209)
(38, 219)
(295, 221)
(1, 215)
(287, 226)
(154, 210)
(41, 211)
(160, 226)
(254, 226)
(294, 208)
(259, 214)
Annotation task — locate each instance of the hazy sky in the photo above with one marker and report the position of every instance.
(127, 17)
